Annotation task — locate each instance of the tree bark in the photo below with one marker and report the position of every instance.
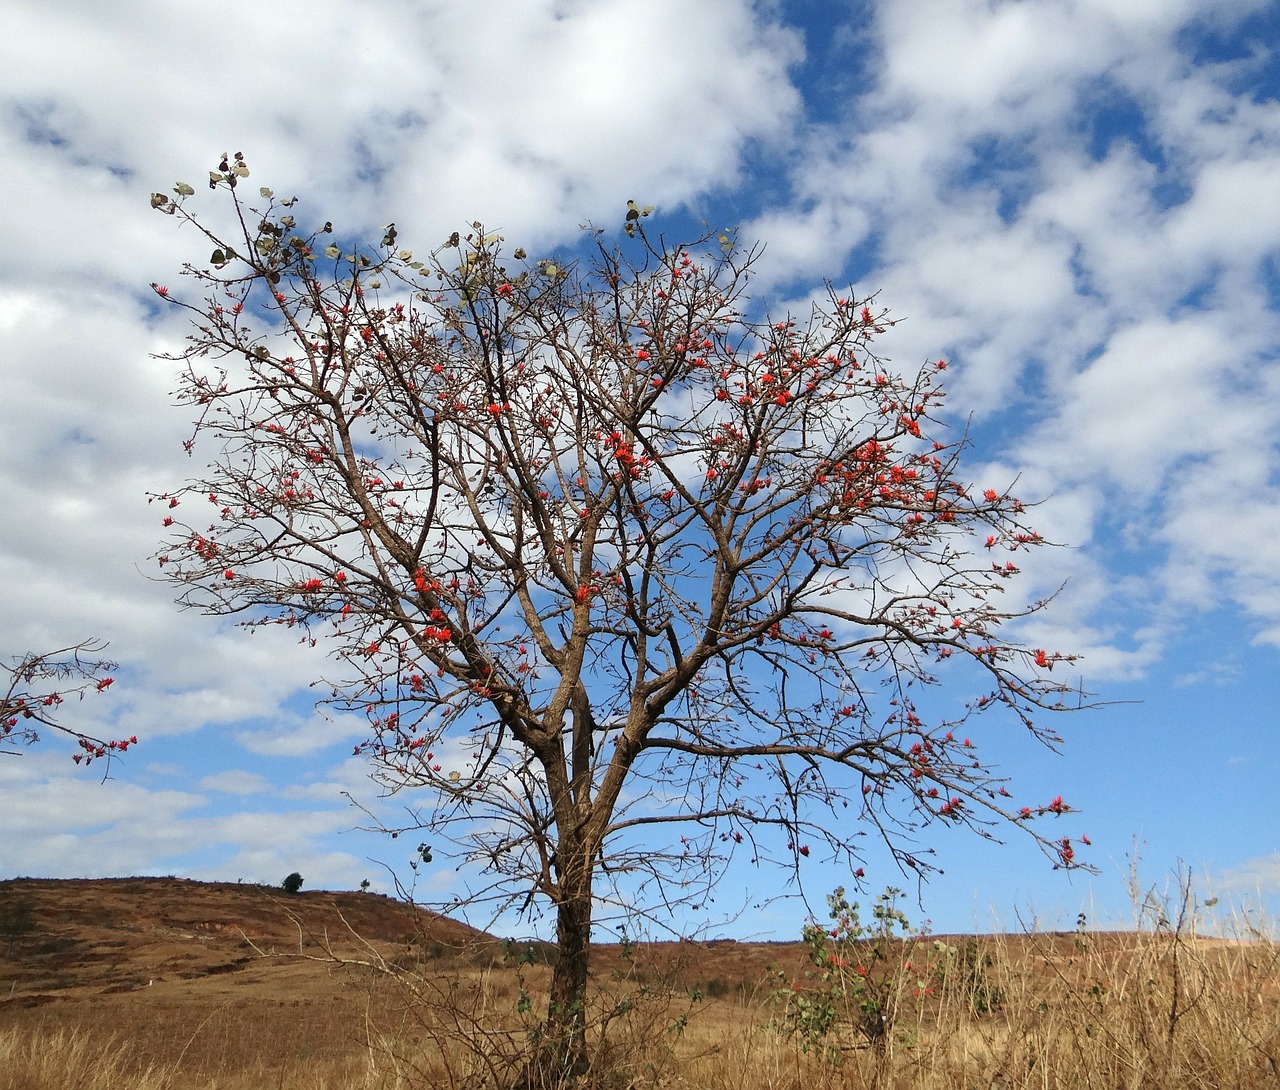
(563, 1056)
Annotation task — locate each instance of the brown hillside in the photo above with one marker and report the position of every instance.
(194, 969)
(68, 938)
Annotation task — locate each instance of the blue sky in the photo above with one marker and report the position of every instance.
(1076, 202)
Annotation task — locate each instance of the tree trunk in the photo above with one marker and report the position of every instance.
(563, 1057)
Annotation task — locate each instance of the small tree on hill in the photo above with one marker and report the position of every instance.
(292, 883)
(40, 684)
(626, 580)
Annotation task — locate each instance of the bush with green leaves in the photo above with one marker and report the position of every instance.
(864, 971)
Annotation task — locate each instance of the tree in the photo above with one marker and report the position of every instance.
(626, 579)
(41, 683)
(292, 883)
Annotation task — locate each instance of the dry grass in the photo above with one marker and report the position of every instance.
(1149, 1010)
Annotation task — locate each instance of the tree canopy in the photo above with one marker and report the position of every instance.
(628, 575)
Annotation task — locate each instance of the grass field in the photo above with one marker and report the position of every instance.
(277, 992)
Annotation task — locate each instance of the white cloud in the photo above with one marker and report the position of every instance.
(295, 738)
(1129, 330)
(58, 823)
(532, 117)
(1258, 875)
(236, 781)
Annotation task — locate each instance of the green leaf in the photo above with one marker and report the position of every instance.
(406, 255)
(240, 170)
(550, 269)
(264, 191)
(332, 251)
(183, 190)
(158, 200)
(218, 257)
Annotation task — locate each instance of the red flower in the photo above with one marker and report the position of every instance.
(105, 683)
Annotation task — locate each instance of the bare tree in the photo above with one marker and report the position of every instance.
(627, 579)
(41, 683)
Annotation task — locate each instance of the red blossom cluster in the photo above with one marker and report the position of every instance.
(27, 705)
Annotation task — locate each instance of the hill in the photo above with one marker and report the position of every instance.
(73, 937)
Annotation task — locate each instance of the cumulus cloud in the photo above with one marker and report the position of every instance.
(292, 739)
(236, 781)
(1065, 205)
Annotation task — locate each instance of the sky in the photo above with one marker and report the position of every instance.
(1075, 202)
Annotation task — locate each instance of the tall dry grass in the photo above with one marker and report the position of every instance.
(62, 1059)
(1162, 1009)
